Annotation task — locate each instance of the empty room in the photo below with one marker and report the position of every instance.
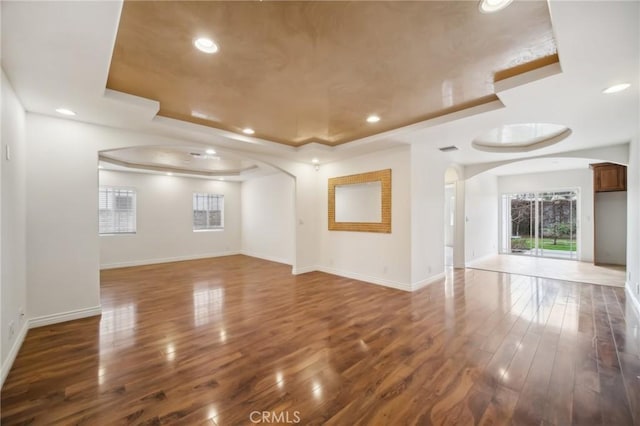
(310, 212)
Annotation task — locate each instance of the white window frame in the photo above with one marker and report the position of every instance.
(208, 226)
(134, 197)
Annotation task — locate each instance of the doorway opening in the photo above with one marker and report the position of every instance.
(542, 224)
(449, 223)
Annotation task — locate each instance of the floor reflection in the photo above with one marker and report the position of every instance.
(208, 304)
(218, 339)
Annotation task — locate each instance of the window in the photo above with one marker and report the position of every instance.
(208, 211)
(117, 210)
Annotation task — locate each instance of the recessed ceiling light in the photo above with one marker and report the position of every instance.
(248, 131)
(490, 6)
(169, 174)
(205, 45)
(210, 151)
(616, 88)
(65, 111)
(373, 119)
(315, 160)
(100, 167)
(221, 178)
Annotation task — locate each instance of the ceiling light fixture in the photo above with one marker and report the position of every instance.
(205, 45)
(65, 111)
(169, 174)
(315, 160)
(248, 131)
(210, 151)
(373, 119)
(491, 6)
(616, 88)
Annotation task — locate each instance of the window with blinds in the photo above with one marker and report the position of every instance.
(117, 210)
(208, 211)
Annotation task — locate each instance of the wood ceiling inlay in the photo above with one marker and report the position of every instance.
(300, 72)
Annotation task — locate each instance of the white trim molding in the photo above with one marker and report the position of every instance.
(432, 279)
(65, 316)
(303, 270)
(360, 277)
(166, 260)
(635, 303)
(15, 348)
(265, 257)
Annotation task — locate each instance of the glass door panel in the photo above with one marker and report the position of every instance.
(540, 224)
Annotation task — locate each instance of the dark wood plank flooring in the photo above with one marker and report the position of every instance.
(230, 340)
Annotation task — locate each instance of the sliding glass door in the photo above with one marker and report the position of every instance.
(540, 224)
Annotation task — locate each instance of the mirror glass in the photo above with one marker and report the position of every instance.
(359, 202)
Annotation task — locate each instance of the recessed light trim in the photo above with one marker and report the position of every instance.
(373, 118)
(315, 160)
(205, 45)
(65, 111)
(248, 131)
(491, 6)
(169, 174)
(210, 151)
(616, 88)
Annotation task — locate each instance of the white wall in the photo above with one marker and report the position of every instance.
(13, 294)
(375, 257)
(164, 219)
(481, 216)
(63, 280)
(565, 179)
(268, 218)
(611, 228)
(428, 166)
(633, 223)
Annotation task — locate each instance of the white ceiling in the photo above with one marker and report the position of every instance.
(184, 160)
(58, 54)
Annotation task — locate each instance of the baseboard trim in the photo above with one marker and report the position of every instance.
(634, 299)
(13, 353)
(303, 270)
(65, 316)
(435, 278)
(361, 277)
(265, 257)
(165, 260)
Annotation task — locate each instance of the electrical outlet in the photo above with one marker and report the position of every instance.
(384, 269)
(12, 329)
(429, 269)
(21, 312)
(7, 151)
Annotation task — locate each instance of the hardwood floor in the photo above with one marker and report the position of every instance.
(220, 341)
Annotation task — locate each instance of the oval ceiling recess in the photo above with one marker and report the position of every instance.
(522, 137)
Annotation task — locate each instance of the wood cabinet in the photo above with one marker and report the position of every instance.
(608, 177)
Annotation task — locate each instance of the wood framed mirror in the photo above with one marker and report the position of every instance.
(361, 203)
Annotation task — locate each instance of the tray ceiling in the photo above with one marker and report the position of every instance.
(300, 72)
